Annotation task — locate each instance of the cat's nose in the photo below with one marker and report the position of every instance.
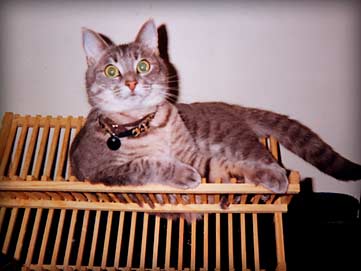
(131, 84)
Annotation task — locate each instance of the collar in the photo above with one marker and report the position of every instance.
(133, 129)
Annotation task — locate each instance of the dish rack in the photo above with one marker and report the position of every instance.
(51, 221)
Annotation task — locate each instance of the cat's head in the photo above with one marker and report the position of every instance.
(125, 77)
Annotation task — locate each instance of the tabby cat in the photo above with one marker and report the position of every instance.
(135, 135)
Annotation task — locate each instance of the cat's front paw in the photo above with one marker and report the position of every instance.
(273, 178)
(186, 177)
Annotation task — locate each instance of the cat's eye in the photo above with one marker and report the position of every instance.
(143, 66)
(111, 71)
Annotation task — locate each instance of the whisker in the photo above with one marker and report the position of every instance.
(172, 76)
(167, 81)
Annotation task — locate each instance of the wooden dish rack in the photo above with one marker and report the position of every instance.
(51, 221)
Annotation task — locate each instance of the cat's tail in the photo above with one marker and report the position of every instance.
(305, 143)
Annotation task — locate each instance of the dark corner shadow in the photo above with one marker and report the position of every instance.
(173, 84)
(306, 186)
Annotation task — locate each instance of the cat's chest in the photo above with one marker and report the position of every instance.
(154, 142)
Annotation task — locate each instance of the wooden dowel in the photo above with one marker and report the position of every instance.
(82, 239)
(263, 140)
(193, 244)
(218, 232)
(218, 242)
(144, 241)
(107, 206)
(9, 232)
(230, 242)
(31, 148)
(119, 240)
(41, 151)
(131, 239)
(153, 198)
(9, 143)
(212, 188)
(168, 243)
(107, 238)
(58, 237)
(243, 242)
(280, 249)
(255, 242)
(70, 237)
(2, 215)
(78, 124)
(49, 221)
(4, 132)
(205, 242)
(94, 239)
(64, 149)
(180, 243)
(53, 146)
(127, 198)
(156, 242)
(34, 235)
(274, 148)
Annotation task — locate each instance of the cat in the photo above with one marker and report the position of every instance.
(134, 135)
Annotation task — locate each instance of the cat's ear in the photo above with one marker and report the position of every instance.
(94, 45)
(148, 35)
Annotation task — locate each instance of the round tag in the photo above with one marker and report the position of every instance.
(113, 143)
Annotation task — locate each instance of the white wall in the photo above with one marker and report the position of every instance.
(297, 59)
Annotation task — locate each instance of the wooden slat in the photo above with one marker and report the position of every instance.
(230, 242)
(168, 243)
(64, 149)
(144, 241)
(156, 242)
(33, 238)
(2, 215)
(255, 200)
(53, 146)
(94, 240)
(78, 124)
(53, 121)
(255, 242)
(9, 232)
(70, 237)
(119, 240)
(9, 142)
(280, 249)
(218, 232)
(218, 242)
(131, 239)
(22, 232)
(158, 208)
(82, 239)
(205, 242)
(243, 235)
(42, 147)
(106, 240)
(180, 243)
(31, 148)
(274, 147)
(4, 132)
(193, 244)
(58, 237)
(243, 242)
(49, 221)
(263, 140)
(209, 188)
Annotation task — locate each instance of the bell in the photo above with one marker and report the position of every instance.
(113, 143)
